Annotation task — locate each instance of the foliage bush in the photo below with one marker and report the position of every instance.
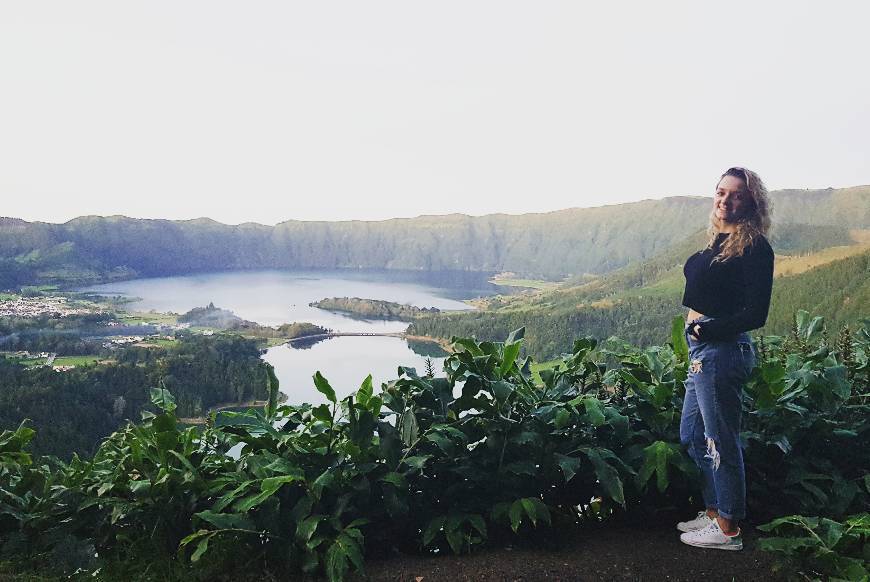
(478, 455)
(821, 548)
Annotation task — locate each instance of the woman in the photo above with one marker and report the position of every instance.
(727, 292)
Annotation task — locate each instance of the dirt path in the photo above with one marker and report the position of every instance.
(613, 552)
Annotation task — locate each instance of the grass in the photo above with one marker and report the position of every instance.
(141, 318)
(161, 342)
(31, 362)
(76, 360)
(789, 265)
(527, 283)
(39, 289)
(668, 286)
(8, 297)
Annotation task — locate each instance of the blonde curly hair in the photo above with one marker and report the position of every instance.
(752, 225)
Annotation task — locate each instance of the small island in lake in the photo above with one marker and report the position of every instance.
(224, 319)
(373, 308)
(214, 317)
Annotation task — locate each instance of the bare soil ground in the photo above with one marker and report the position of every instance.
(612, 552)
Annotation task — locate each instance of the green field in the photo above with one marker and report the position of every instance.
(8, 296)
(141, 318)
(29, 362)
(526, 283)
(161, 342)
(59, 361)
(37, 289)
(76, 360)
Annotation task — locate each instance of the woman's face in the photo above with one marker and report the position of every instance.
(731, 199)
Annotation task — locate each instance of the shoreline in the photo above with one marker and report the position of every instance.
(200, 420)
(444, 343)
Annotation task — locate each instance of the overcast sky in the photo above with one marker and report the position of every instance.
(269, 111)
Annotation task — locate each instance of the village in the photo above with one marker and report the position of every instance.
(113, 336)
(57, 306)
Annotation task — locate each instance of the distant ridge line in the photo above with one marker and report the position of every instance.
(861, 189)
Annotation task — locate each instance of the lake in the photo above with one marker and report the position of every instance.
(276, 297)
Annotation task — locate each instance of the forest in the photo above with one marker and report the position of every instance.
(75, 409)
(47, 333)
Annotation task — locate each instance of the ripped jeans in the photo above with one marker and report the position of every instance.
(711, 418)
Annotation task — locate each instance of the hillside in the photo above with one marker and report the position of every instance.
(552, 245)
(637, 301)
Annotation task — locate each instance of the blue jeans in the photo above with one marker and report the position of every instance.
(711, 418)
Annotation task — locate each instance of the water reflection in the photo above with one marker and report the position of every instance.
(345, 361)
(427, 348)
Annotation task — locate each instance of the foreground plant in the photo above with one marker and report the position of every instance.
(821, 548)
(433, 463)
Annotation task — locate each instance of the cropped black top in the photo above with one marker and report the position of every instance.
(735, 293)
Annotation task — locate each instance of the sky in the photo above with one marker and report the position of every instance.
(271, 111)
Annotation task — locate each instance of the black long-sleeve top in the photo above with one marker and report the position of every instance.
(736, 293)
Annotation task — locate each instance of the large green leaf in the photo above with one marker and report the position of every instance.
(502, 390)
(272, 388)
(346, 549)
(515, 336)
(830, 532)
(268, 487)
(435, 525)
(657, 457)
(569, 465)
(417, 461)
(306, 528)
(607, 475)
(532, 507)
(815, 327)
(202, 538)
(477, 522)
(365, 391)
(408, 427)
(515, 513)
(511, 351)
(594, 411)
(323, 387)
(163, 399)
(678, 339)
(228, 498)
(468, 344)
(226, 520)
(456, 539)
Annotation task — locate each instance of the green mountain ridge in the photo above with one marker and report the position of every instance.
(552, 245)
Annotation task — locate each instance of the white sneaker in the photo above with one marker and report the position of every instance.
(712, 537)
(700, 522)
